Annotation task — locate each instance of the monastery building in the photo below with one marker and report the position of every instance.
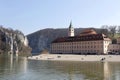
(87, 42)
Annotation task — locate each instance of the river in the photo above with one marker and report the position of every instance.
(23, 69)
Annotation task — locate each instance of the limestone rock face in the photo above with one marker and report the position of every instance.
(13, 41)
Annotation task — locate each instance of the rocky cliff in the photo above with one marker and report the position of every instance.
(13, 41)
(42, 39)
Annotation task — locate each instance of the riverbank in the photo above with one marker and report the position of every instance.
(68, 57)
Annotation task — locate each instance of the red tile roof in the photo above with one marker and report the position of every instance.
(88, 32)
(91, 37)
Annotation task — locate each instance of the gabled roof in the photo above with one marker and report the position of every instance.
(88, 32)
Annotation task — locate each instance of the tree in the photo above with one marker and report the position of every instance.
(18, 32)
(104, 29)
(112, 31)
(118, 29)
(109, 30)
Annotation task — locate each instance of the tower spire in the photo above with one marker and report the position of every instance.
(71, 30)
(70, 26)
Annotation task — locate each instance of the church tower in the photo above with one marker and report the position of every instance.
(71, 30)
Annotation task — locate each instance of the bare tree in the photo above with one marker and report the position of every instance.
(104, 29)
(118, 29)
(112, 31)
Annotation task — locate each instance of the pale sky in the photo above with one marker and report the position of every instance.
(33, 15)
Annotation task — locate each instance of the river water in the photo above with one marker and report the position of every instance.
(23, 69)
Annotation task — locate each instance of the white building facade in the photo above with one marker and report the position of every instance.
(114, 48)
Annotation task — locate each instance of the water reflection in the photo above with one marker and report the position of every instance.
(106, 71)
(115, 71)
(78, 70)
(82, 70)
(14, 68)
(11, 67)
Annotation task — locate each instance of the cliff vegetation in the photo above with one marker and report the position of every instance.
(13, 41)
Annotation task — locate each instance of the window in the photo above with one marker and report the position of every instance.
(91, 42)
(77, 46)
(94, 50)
